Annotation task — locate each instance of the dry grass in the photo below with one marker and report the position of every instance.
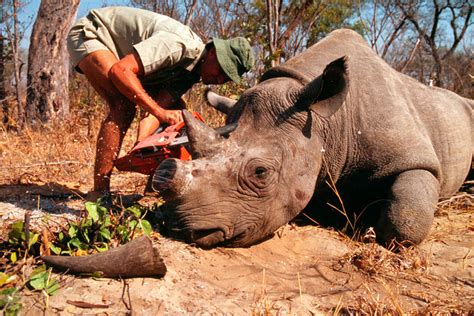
(462, 201)
(65, 151)
(374, 259)
(61, 152)
(395, 277)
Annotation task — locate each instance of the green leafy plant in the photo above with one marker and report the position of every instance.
(40, 280)
(10, 301)
(99, 227)
(95, 231)
(19, 242)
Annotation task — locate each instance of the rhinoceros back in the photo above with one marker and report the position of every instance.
(401, 123)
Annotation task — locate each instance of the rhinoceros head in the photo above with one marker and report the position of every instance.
(238, 190)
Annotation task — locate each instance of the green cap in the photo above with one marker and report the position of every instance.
(234, 56)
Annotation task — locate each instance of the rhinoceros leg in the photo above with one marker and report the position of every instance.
(409, 213)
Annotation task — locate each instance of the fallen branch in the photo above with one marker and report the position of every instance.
(126, 289)
(82, 304)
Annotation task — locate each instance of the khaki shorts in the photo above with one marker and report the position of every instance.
(81, 42)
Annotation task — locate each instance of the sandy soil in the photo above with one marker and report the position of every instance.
(301, 270)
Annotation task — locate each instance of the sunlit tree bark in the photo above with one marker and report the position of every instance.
(47, 76)
(3, 95)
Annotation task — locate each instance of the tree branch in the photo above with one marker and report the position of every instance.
(457, 39)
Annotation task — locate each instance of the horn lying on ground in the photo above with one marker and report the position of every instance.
(138, 258)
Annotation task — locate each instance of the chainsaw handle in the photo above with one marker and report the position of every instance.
(176, 127)
(223, 130)
(226, 129)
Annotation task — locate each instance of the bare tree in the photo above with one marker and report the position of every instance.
(190, 11)
(13, 35)
(208, 18)
(47, 76)
(387, 30)
(152, 5)
(219, 18)
(432, 22)
(384, 23)
(179, 10)
(291, 26)
(3, 94)
(273, 22)
(282, 21)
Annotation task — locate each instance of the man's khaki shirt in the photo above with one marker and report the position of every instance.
(168, 50)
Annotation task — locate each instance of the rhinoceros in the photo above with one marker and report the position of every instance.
(389, 146)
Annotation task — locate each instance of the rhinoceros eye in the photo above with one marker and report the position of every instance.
(261, 172)
(258, 177)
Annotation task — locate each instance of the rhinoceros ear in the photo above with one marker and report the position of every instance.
(331, 83)
(220, 103)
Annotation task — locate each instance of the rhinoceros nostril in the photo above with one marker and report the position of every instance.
(168, 164)
(168, 174)
(164, 174)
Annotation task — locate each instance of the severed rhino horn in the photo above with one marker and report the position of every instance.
(204, 140)
(138, 258)
(219, 102)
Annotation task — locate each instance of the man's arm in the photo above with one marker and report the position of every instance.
(124, 74)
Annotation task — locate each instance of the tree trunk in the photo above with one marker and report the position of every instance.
(17, 63)
(48, 68)
(3, 96)
(273, 19)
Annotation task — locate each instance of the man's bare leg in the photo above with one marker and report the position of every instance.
(96, 67)
(148, 124)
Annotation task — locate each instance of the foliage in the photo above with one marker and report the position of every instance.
(17, 238)
(41, 280)
(10, 301)
(95, 231)
(334, 15)
(99, 228)
(292, 26)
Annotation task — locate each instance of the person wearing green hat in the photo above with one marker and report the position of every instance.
(138, 58)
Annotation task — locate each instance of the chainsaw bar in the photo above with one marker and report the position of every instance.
(169, 142)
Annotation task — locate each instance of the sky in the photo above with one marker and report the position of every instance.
(31, 8)
(28, 13)
(84, 7)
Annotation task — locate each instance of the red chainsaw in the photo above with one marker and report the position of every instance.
(170, 142)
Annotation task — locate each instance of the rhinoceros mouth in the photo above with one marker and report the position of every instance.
(207, 238)
(204, 237)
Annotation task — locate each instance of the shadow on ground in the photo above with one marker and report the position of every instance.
(52, 197)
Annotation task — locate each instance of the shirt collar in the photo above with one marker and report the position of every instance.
(196, 61)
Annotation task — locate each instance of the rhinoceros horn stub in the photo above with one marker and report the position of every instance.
(219, 102)
(203, 140)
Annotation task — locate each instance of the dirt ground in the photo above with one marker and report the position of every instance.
(301, 270)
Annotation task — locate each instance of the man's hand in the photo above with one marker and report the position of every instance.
(171, 117)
